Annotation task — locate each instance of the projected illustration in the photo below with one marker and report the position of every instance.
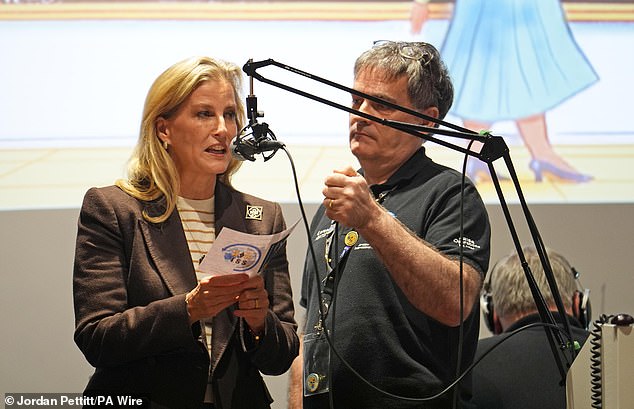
(514, 60)
(552, 78)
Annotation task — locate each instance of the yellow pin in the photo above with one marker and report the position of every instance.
(351, 238)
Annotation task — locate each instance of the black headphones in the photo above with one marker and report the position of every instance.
(581, 308)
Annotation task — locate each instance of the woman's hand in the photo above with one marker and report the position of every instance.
(253, 304)
(214, 294)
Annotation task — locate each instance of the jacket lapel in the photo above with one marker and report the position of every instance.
(228, 208)
(168, 249)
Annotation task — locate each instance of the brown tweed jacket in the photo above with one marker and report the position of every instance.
(129, 285)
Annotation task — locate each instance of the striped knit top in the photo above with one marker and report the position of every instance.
(197, 217)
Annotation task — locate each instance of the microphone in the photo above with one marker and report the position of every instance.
(261, 139)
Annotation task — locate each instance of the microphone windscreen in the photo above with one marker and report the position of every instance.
(235, 150)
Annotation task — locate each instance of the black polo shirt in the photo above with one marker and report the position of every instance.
(377, 331)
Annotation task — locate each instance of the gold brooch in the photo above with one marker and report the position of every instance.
(254, 212)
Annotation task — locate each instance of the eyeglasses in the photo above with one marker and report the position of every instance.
(420, 51)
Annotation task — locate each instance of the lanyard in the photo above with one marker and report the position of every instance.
(350, 239)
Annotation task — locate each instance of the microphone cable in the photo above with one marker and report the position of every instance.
(253, 115)
(247, 149)
(456, 391)
(322, 314)
(516, 331)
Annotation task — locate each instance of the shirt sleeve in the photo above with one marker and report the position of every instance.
(452, 209)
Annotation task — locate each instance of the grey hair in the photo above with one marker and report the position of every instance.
(428, 81)
(509, 288)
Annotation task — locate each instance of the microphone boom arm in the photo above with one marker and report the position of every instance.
(494, 147)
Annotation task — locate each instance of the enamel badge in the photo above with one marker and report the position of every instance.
(254, 212)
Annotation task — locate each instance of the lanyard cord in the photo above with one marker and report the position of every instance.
(331, 281)
(334, 272)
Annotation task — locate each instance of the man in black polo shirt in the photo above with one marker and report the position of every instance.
(387, 241)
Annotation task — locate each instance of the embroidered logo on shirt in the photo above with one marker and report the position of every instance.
(324, 233)
(467, 243)
(254, 212)
(363, 246)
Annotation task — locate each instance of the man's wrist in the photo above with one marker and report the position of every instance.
(373, 220)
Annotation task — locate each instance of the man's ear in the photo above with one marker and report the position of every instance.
(433, 112)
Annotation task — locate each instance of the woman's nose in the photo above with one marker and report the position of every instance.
(221, 127)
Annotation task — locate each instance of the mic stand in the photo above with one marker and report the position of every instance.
(494, 147)
(261, 133)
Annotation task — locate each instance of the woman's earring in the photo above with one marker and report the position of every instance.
(166, 145)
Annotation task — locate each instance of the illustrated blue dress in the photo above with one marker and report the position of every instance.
(510, 59)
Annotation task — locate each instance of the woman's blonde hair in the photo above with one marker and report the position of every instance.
(151, 171)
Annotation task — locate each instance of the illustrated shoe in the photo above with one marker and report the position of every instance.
(542, 168)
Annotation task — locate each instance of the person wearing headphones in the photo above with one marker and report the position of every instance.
(520, 372)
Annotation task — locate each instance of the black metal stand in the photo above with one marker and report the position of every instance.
(494, 147)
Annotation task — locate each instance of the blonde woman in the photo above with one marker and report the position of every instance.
(151, 324)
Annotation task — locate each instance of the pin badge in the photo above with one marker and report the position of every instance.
(312, 382)
(351, 238)
(254, 212)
